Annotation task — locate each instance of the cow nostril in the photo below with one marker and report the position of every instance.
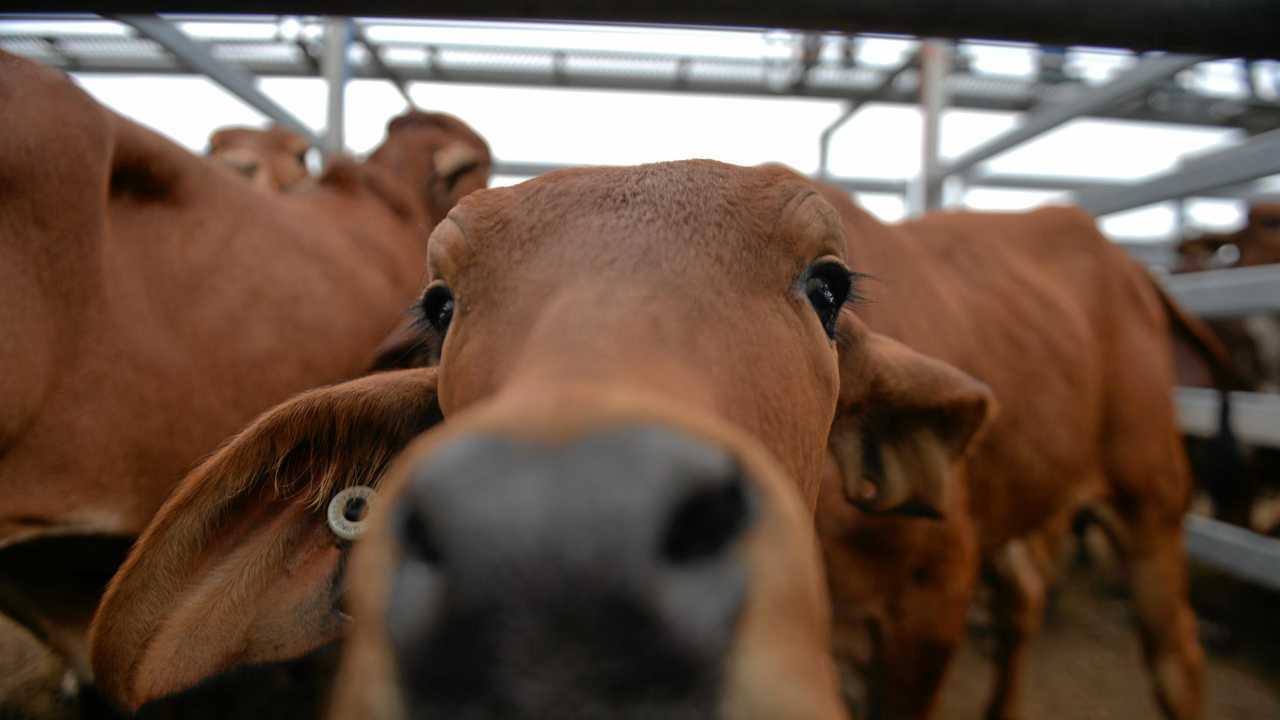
(417, 539)
(706, 522)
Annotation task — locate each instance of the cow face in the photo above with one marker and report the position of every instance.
(719, 289)
(643, 373)
(272, 159)
(440, 158)
(628, 356)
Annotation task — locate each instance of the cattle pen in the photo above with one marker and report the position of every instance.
(1201, 66)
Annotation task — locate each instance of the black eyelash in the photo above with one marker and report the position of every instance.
(418, 321)
(855, 288)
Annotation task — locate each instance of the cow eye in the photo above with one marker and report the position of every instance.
(437, 307)
(827, 286)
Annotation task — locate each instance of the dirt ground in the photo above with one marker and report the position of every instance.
(1088, 665)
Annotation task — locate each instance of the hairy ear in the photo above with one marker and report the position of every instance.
(243, 564)
(903, 423)
(460, 169)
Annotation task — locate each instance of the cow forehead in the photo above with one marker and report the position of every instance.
(662, 212)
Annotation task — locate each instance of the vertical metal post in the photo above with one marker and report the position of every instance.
(337, 41)
(935, 65)
(1179, 220)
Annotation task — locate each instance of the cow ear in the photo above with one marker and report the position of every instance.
(460, 169)
(903, 423)
(243, 564)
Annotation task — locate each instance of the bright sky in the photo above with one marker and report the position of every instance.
(595, 127)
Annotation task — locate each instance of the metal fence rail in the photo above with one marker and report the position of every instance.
(1226, 293)
(1239, 552)
(1255, 417)
(1257, 157)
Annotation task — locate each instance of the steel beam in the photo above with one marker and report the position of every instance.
(1255, 417)
(1152, 254)
(884, 86)
(1227, 293)
(1148, 72)
(198, 59)
(1235, 28)
(1257, 157)
(380, 66)
(1051, 183)
(1239, 552)
(337, 43)
(528, 67)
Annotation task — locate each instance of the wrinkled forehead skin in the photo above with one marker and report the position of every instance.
(682, 279)
(779, 664)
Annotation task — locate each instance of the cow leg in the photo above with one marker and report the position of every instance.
(1150, 481)
(1151, 484)
(1019, 589)
(912, 668)
(1149, 535)
(925, 624)
(1158, 577)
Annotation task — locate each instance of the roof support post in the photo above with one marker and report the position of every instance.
(935, 65)
(337, 70)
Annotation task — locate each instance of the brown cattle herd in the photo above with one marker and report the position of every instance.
(678, 440)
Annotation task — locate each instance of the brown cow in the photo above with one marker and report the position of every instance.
(153, 303)
(640, 371)
(273, 159)
(1072, 337)
(1257, 243)
(1253, 342)
(1234, 476)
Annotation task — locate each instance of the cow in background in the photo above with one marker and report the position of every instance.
(1234, 476)
(153, 303)
(1072, 337)
(273, 159)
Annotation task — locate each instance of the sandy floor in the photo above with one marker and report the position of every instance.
(1088, 663)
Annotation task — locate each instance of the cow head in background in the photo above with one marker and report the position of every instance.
(272, 159)
(642, 373)
(439, 157)
(1257, 243)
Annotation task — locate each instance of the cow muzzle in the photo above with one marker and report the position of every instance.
(599, 576)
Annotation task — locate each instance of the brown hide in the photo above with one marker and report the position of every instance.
(272, 159)
(153, 303)
(1072, 338)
